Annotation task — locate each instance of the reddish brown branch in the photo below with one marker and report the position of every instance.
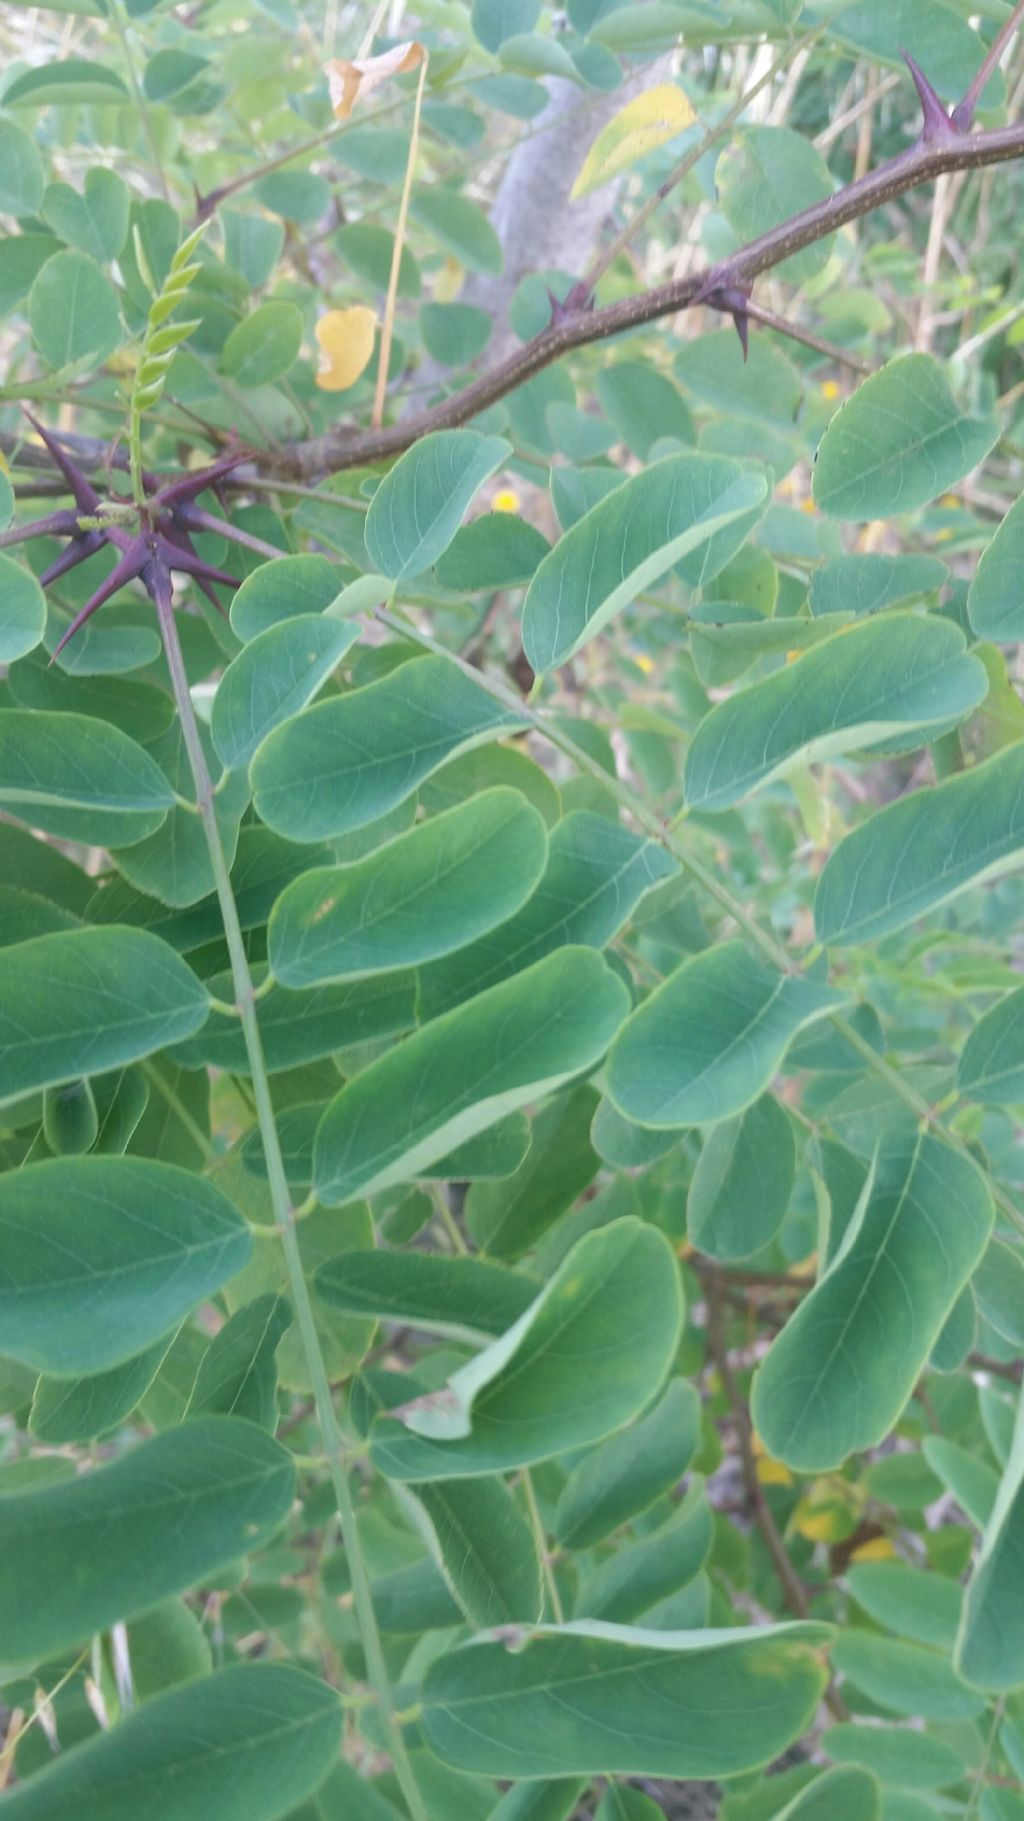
(344, 447)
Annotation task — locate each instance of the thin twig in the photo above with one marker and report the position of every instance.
(384, 358)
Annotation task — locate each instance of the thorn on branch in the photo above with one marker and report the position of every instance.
(578, 298)
(732, 300)
(936, 124)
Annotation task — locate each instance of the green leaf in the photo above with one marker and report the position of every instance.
(628, 540)
(79, 778)
(344, 763)
(596, 875)
(453, 333)
(238, 1374)
(989, 1648)
(771, 174)
(865, 584)
(284, 589)
(301, 1027)
(921, 851)
(22, 173)
(272, 678)
(169, 72)
(24, 257)
(650, 1567)
(507, 1218)
(174, 864)
(167, 1646)
(900, 441)
(263, 346)
(485, 1548)
(908, 1601)
(95, 220)
(845, 1794)
(90, 1276)
(870, 683)
(495, 20)
(418, 507)
(995, 606)
(900, 1756)
(905, 1678)
(840, 1373)
(497, 550)
(707, 1042)
(322, 1235)
(741, 1187)
(462, 1298)
(79, 1409)
(169, 1513)
(81, 1001)
(577, 1699)
(765, 387)
(620, 1802)
(998, 1286)
(428, 892)
(625, 1475)
(246, 1744)
(642, 405)
(950, 51)
(462, 228)
(535, 1801)
(973, 1483)
(461, 1073)
(73, 79)
(22, 603)
(584, 1358)
(73, 311)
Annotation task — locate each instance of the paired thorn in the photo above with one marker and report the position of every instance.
(578, 298)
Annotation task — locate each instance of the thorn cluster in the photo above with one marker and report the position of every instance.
(160, 546)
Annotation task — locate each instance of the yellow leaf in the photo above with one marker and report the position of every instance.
(346, 345)
(350, 82)
(773, 1473)
(879, 1549)
(641, 126)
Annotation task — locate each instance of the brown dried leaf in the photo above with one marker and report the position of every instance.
(352, 81)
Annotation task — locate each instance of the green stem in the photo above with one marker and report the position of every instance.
(284, 1211)
(772, 950)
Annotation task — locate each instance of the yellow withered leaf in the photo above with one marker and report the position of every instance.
(652, 119)
(346, 344)
(350, 82)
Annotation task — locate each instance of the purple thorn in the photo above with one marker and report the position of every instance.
(741, 321)
(174, 534)
(84, 494)
(732, 299)
(83, 545)
(56, 524)
(177, 555)
(936, 123)
(191, 485)
(130, 565)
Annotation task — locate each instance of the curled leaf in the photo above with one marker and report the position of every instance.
(345, 338)
(350, 82)
(644, 124)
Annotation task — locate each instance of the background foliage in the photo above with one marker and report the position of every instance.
(511, 1291)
